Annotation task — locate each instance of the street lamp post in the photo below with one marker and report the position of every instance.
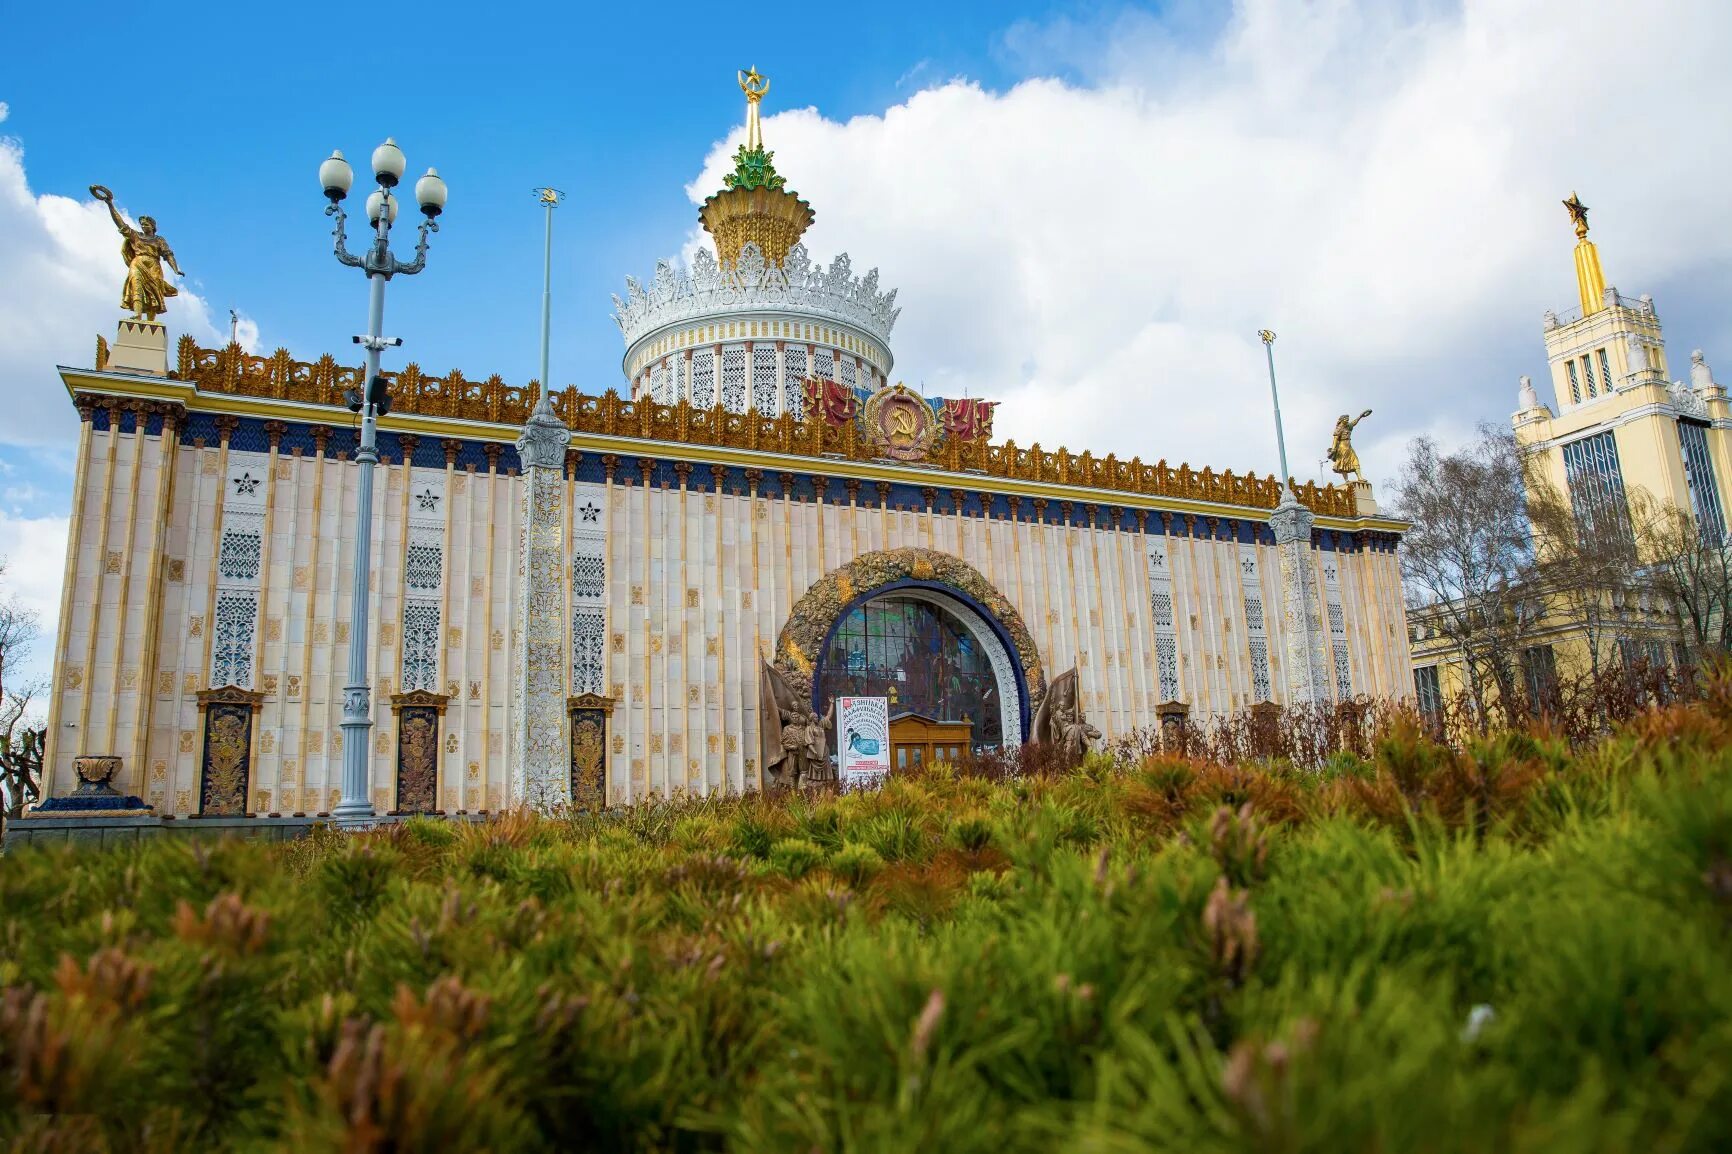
(372, 401)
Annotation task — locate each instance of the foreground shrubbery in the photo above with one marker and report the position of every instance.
(1172, 955)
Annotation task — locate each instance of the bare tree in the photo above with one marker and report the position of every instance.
(1692, 569)
(1586, 559)
(21, 739)
(1467, 564)
(20, 755)
(18, 629)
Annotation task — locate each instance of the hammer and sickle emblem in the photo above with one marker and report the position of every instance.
(902, 422)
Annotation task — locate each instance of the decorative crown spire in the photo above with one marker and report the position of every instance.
(1590, 280)
(755, 205)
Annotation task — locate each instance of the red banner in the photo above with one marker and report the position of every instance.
(967, 419)
(835, 401)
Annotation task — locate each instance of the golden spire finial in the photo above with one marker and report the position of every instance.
(754, 85)
(1590, 280)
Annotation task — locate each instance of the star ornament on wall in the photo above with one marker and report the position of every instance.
(246, 484)
(427, 500)
(591, 514)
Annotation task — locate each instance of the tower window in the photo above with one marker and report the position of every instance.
(1588, 372)
(1699, 477)
(1605, 370)
(1596, 484)
(1575, 384)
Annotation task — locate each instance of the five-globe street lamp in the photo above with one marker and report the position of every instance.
(372, 401)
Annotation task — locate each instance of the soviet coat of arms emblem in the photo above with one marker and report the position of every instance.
(901, 424)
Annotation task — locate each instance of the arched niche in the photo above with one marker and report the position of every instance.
(945, 582)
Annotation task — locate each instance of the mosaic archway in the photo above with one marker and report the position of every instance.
(927, 575)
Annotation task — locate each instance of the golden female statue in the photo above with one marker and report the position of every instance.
(147, 290)
(1341, 454)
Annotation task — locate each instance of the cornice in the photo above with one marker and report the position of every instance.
(771, 459)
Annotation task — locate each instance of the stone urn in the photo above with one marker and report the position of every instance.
(96, 774)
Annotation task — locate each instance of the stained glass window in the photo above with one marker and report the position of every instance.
(921, 658)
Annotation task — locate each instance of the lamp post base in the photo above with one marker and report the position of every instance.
(354, 818)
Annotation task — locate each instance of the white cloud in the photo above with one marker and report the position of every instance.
(1379, 185)
(62, 289)
(33, 550)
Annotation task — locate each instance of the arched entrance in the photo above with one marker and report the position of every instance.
(925, 630)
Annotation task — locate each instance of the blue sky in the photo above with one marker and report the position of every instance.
(614, 104)
(1088, 209)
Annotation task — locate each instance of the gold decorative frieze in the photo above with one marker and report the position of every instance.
(233, 371)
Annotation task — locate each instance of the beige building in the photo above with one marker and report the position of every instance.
(743, 502)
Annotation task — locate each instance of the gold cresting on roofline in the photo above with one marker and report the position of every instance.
(280, 377)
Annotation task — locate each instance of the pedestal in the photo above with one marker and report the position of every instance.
(1305, 667)
(541, 758)
(95, 794)
(1363, 502)
(140, 347)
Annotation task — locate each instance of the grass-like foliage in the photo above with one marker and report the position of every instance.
(1512, 946)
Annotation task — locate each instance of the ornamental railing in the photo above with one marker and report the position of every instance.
(322, 382)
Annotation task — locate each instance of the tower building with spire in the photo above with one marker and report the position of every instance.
(1615, 447)
(1621, 426)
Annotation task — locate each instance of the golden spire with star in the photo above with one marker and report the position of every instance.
(1590, 280)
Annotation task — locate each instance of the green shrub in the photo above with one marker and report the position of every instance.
(795, 857)
(972, 832)
(857, 863)
(1508, 947)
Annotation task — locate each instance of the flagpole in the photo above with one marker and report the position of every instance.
(1268, 339)
(550, 198)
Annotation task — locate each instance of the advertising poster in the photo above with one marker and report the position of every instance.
(863, 740)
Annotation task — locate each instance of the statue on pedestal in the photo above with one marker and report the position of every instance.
(1341, 455)
(146, 290)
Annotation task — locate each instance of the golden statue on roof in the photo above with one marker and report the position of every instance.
(146, 290)
(1342, 457)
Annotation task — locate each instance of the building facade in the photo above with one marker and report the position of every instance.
(1617, 429)
(759, 493)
